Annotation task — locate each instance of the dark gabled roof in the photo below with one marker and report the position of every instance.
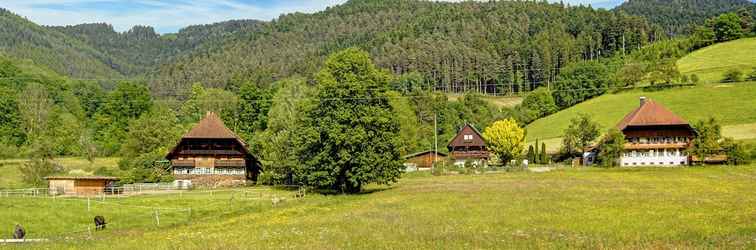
(210, 127)
(650, 113)
(459, 140)
(422, 153)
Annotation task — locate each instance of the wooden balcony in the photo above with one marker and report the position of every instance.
(476, 154)
(636, 146)
(182, 163)
(230, 163)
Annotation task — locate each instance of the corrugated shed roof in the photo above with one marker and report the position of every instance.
(648, 114)
(211, 127)
(459, 139)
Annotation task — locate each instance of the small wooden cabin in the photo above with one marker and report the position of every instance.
(468, 146)
(210, 154)
(423, 160)
(79, 185)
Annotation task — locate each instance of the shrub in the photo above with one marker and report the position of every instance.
(35, 171)
(751, 76)
(733, 75)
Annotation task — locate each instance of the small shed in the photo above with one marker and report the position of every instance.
(79, 185)
(423, 160)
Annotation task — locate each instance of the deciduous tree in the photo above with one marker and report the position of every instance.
(351, 135)
(506, 139)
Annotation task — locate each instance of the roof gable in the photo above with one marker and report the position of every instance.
(211, 127)
(650, 113)
(460, 141)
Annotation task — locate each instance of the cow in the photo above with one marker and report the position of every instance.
(19, 233)
(99, 222)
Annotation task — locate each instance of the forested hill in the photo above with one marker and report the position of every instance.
(457, 46)
(678, 16)
(141, 49)
(23, 39)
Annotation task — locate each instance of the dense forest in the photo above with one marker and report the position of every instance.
(490, 47)
(271, 82)
(141, 49)
(679, 17)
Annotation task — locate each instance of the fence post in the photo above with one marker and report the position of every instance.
(157, 216)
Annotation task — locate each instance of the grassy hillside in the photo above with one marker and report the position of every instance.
(712, 62)
(646, 208)
(10, 175)
(732, 104)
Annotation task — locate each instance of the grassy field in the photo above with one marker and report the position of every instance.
(10, 176)
(711, 207)
(731, 104)
(712, 62)
(497, 101)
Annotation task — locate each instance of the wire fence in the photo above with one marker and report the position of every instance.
(71, 218)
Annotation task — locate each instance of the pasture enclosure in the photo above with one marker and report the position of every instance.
(638, 208)
(62, 218)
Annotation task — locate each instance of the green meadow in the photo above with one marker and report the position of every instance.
(696, 207)
(712, 62)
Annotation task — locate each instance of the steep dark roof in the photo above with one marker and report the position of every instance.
(650, 113)
(459, 139)
(211, 127)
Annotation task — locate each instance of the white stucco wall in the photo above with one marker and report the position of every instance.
(670, 157)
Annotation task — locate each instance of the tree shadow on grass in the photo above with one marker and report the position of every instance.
(364, 191)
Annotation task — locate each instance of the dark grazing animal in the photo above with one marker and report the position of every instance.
(99, 222)
(19, 233)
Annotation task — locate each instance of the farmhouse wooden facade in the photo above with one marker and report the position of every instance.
(468, 146)
(655, 136)
(211, 154)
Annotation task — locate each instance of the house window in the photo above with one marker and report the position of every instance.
(468, 137)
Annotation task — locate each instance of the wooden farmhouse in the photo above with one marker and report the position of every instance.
(79, 185)
(422, 160)
(468, 146)
(210, 154)
(655, 136)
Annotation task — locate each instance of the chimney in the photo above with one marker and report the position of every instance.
(642, 100)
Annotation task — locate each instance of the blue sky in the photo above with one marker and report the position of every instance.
(171, 15)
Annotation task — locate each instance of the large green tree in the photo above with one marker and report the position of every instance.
(581, 132)
(611, 148)
(285, 119)
(127, 102)
(351, 136)
(706, 143)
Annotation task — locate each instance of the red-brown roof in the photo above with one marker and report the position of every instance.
(650, 113)
(459, 139)
(211, 127)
